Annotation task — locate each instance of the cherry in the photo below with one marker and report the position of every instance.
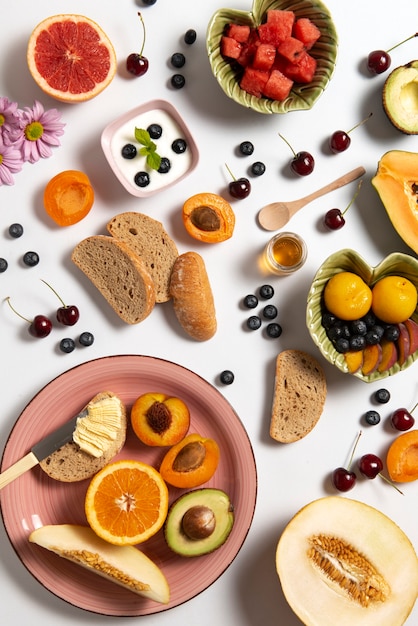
(334, 218)
(66, 314)
(343, 478)
(39, 327)
(379, 61)
(402, 419)
(302, 163)
(136, 63)
(341, 140)
(239, 188)
(371, 465)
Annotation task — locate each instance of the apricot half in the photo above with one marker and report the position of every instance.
(208, 217)
(190, 463)
(68, 197)
(160, 420)
(402, 458)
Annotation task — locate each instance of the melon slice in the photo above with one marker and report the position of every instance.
(343, 562)
(124, 565)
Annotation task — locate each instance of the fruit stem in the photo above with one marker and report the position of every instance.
(52, 289)
(353, 451)
(285, 140)
(413, 408)
(143, 33)
(360, 123)
(353, 198)
(401, 42)
(391, 483)
(231, 174)
(14, 311)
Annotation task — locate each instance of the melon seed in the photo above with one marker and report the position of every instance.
(190, 457)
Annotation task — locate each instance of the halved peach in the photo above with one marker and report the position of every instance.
(160, 420)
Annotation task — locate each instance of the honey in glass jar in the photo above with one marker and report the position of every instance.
(285, 253)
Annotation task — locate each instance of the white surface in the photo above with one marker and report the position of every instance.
(249, 592)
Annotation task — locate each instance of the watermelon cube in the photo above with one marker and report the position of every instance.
(230, 48)
(253, 81)
(278, 86)
(264, 56)
(291, 48)
(282, 19)
(271, 33)
(249, 49)
(303, 71)
(239, 32)
(306, 31)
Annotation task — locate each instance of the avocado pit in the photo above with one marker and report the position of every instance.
(198, 522)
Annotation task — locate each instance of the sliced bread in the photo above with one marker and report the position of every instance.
(299, 395)
(119, 274)
(71, 464)
(148, 239)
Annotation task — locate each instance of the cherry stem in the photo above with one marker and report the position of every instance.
(18, 314)
(360, 123)
(391, 483)
(285, 140)
(231, 174)
(52, 289)
(354, 197)
(353, 451)
(143, 33)
(401, 42)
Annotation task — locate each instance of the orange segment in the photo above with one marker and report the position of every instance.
(70, 57)
(126, 502)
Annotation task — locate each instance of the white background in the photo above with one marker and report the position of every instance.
(289, 476)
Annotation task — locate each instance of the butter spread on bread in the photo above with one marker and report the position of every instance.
(96, 432)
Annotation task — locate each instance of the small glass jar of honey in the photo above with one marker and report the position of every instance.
(285, 253)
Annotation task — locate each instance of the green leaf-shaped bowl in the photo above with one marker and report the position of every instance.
(347, 260)
(325, 52)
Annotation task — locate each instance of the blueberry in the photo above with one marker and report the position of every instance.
(246, 148)
(357, 342)
(270, 312)
(179, 146)
(86, 339)
(3, 265)
(392, 332)
(250, 301)
(372, 417)
(31, 258)
(254, 322)
(227, 377)
(266, 292)
(149, 3)
(190, 36)
(382, 396)
(372, 337)
(165, 166)
(328, 319)
(178, 81)
(67, 345)
(342, 345)
(128, 151)
(369, 319)
(358, 327)
(155, 131)
(178, 59)
(273, 330)
(258, 168)
(15, 230)
(334, 333)
(142, 179)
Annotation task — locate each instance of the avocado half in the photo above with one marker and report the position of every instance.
(212, 518)
(400, 98)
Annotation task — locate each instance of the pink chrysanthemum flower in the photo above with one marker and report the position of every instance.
(9, 120)
(10, 162)
(41, 130)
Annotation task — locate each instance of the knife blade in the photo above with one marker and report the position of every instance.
(41, 450)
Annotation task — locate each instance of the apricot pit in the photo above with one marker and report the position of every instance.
(159, 419)
(208, 217)
(191, 462)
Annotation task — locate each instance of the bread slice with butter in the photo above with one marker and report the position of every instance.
(97, 439)
(300, 392)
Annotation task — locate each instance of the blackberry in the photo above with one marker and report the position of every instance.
(266, 292)
(254, 322)
(67, 345)
(179, 146)
(372, 417)
(142, 179)
(226, 377)
(3, 265)
(31, 258)
(250, 301)
(246, 148)
(178, 81)
(382, 396)
(270, 312)
(128, 151)
(178, 59)
(258, 168)
(86, 339)
(165, 166)
(273, 330)
(155, 131)
(190, 36)
(15, 230)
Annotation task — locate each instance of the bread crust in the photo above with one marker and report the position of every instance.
(300, 392)
(192, 296)
(70, 464)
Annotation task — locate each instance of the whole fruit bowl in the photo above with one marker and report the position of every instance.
(347, 260)
(302, 96)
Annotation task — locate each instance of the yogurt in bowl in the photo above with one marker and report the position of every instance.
(173, 142)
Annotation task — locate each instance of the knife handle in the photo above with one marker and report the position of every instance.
(17, 469)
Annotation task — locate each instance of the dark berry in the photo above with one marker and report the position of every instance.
(250, 301)
(165, 165)
(372, 417)
(67, 345)
(227, 377)
(31, 258)
(328, 319)
(178, 59)
(335, 332)
(246, 148)
(86, 339)
(266, 292)
(129, 151)
(149, 3)
(382, 396)
(190, 36)
(342, 345)
(15, 230)
(258, 168)
(179, 146)
(270, 312)
(273, 330)
(357, 342)
(392, 332)
(254, 322)
(369, 319)
(358, 327)
(155, 131)
(373, 336)
(178, 81)
(3, 265)
(142, 179)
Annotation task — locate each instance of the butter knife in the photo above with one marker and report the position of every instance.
(41, 450)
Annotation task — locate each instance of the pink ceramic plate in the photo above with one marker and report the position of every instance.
(34, 499)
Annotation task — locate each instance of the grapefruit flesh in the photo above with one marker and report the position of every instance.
(71, 58)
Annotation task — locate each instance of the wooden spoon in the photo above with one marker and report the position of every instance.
(275, 215)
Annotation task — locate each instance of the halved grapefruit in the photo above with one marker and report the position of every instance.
(71, 58)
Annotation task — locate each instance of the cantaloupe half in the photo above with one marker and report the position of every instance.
(124, 565)
(342, 562)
